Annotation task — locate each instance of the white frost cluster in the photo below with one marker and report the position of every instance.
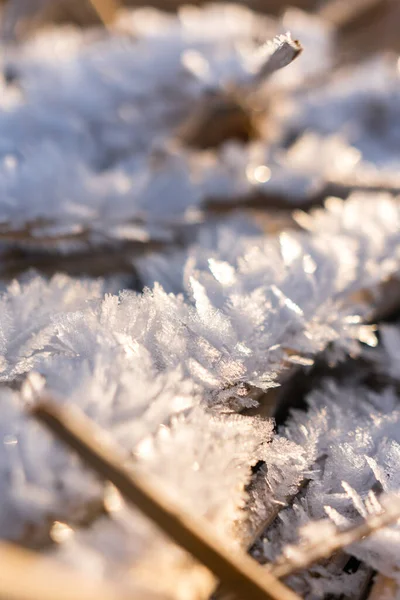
(351, 435)
(364, 109)
(252, 307)
(87, 123)
(90, 155)
(135, 361)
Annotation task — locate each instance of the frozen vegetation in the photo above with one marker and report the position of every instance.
(226, 307)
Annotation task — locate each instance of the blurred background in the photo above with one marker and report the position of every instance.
(368, 23)
(125, 129)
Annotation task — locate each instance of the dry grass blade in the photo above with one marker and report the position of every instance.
(25, 575)
(384, 587)
(239, 573)
(297, 558)
(283, 51)
(106, 9)
(343, 13)
(262, 6)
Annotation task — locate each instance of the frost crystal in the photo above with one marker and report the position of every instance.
(352, 435)
(100, 157)
(116, 102)
(269, 303)
(278, 301)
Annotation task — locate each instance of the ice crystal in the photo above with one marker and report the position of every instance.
(251, 307)
(105, 111)
(93, 154)
(245, 314)
(351, 96)
(352, 435)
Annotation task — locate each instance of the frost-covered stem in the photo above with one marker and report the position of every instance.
(285, 50)
(342, 188)
(297, 558)
(238, 572)
(26, 575)
(257, 522)
(228, 114)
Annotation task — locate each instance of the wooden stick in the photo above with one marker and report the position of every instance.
(239, 573)
(303, 556)
(26, 575)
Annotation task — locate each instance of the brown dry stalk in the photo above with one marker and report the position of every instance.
(262, 6)
(384, 587)
(239, 573)
(106, 9)
(344, 187)
(26, 575)
(302, 556)
(342, 13)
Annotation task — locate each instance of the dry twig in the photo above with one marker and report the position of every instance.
(302, 556)
(239, 573)
(384, 587)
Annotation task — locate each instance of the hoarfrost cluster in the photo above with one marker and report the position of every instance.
(106, 107)
(182, 371)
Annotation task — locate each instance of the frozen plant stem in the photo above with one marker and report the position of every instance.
(303, 556)
(239, 573)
